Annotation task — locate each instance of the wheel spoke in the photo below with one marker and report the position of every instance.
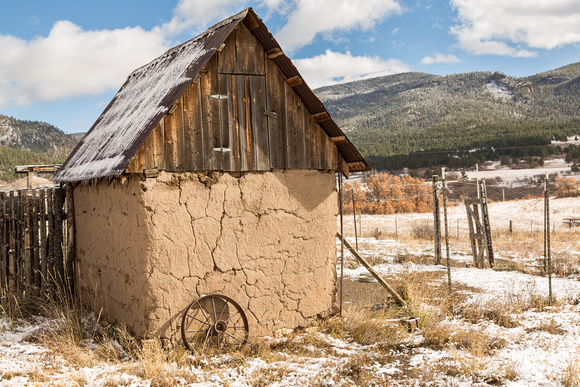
(199, 330)
(203, 322)
(203, 312)
(238, 312)
(213, 307)
(235, 338)
(222, 311)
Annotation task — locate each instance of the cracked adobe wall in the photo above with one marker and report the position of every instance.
(148, 247)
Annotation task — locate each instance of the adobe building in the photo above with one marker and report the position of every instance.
(211, 171)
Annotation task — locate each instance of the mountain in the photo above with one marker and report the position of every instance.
(30, 142)
(419, 119)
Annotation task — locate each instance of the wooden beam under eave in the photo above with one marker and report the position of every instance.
(339, 140)
(295, 81)
(319, 117)
(274, 53)
(344, 168)
(250, 22)
(357, 166)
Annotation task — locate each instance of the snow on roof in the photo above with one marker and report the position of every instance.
(140, 104)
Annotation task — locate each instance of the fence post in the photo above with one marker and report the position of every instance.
(444, 189)
(71, 241)
(547, 227)
(43, 254)
(58, 236)
(12, 246)
(436, 221)
(354, 216)
(4, 241)
(486, 226)
(35, 241)
(51, 273)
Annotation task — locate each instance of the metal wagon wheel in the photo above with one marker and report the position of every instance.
(216, 321)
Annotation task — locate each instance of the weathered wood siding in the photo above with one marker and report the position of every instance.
(240, 115)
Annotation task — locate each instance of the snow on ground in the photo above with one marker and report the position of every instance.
(541, 347)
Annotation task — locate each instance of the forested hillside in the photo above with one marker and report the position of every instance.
(416, 119)
(30, 142)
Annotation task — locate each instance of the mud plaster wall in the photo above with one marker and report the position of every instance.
(149, 247)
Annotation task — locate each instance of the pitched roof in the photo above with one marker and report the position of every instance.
(149, 92)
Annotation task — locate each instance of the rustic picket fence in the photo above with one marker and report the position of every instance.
(34, 241)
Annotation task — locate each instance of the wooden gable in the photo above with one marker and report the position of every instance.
(239, 114)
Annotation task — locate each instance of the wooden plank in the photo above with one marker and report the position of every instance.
(392, 291)
(43, 242)
(274, 53)
(357, 166)
(486, 225)
(159, 154)
(147, 152)
(339, 140)
(249, 53)
(332, 160)
(226, 123)
(226, 58)
(51, 274)
(58, 236)
(471, 232)
(344, 168)
(71, 238)
(12, 246)
(319, 154)
(319, 117)
(311, 151)
(436, 221)
(138, 162)
(233, 123)
(20, 245)
(35, 241)
(275, 102)
(245, 136)
(193, 133)
(294, 129)
(250, 22)
(211, 116)
(261, 146)
(174, 138)
(295, 81)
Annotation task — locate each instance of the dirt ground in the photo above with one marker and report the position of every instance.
(362, 295)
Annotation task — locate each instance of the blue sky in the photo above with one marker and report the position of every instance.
(61, 61)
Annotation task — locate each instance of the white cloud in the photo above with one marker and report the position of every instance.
(71, 62)
(310, 18)
(440, 58)
(335, 67)
(198, 14)
(516, 27)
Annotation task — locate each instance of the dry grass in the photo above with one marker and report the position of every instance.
(366, 327)
(571, 376)
(551, 326)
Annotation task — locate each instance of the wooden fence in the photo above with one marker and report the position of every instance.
(34, 236)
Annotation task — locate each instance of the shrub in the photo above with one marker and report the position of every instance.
(384, 193)
(566, 187)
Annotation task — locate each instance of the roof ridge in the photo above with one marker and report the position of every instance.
(173, 50)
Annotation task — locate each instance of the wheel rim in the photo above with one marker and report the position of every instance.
(214, 321)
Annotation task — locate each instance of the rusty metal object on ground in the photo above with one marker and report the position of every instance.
(214, 321)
